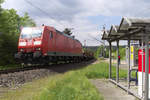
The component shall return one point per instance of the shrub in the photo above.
(71, 86)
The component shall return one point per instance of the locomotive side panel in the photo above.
(62, 44)
(45, 41)
(51, 41)
(79, 48)
(59, 44)
(74, 47)
(67, 45)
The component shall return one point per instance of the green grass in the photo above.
(26, 92)
(75, 85)
(101, 70)
(72, 85)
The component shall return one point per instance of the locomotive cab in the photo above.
(30, 42)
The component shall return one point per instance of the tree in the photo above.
(97, 53)
(10, 23)
(8, 36)
(67, 31)
(27, 21)
(1, 1)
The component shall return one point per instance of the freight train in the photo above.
(45, 44)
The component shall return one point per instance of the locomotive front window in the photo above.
(26, 33)
(36, 33)
(31, 32)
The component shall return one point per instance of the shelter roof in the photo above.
(129, 28)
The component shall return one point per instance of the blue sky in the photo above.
(86, 17)
(107, 21)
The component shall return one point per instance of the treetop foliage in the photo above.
(1, 1)
(10, 23)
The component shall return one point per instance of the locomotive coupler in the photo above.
(37, 54)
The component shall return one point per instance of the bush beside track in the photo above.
(71, 86)
(10, 66)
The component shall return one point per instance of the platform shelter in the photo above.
(131, 29)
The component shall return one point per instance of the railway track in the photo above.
(32, 67)
(16, 70)
(37, 66)
(28, 67)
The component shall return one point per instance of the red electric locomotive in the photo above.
(46, 44)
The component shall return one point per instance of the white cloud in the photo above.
(116, 7)
(75, 13)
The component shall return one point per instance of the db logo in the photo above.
(30, 42)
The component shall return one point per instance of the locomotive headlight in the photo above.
(37, 42)
(22, 43)
(22, 50)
